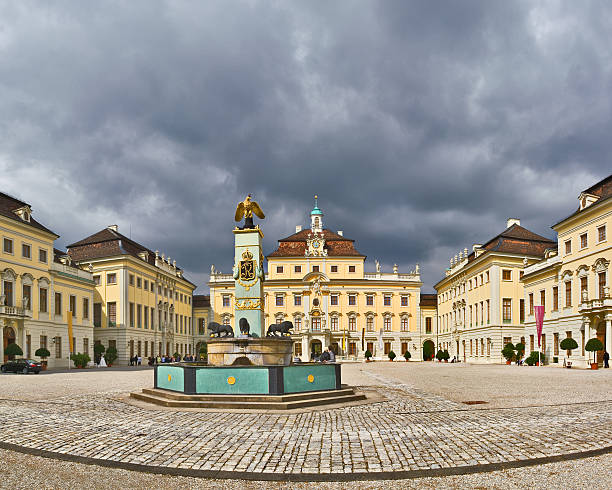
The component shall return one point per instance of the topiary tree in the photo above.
(391, 355)
(508, 352)
(407, 355)
(368, 354)
(111, 355)
(80, 360)
(13, 350)
(440, 355)
(568, 344)
(42, 353)
(520, 351)
(593, 345)
(446, 355)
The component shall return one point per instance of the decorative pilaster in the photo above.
(608, 345)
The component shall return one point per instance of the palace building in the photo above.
(142, 302)
(316, 279)
(41, 287)
(572, 282)
(481, 298)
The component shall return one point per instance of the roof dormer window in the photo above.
(24, 213)
(586, 200)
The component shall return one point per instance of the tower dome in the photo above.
(316, 217)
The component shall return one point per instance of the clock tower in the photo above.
(316, 218)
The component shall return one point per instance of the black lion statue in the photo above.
(216, 329)
(245, 328)
(280, 329)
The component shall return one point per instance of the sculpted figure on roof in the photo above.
(245, 209)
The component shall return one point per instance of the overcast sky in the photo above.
(422, 126)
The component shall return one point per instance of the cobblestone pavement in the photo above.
(411, 430)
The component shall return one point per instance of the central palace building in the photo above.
(316, 279)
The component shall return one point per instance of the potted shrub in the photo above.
(80, 360)
(593, 345)
(368, 356)
(407, 356)
(520, 351)
(391, 355)
(440, 355)
(13, 350)
(446, 355)
(111, 356)
(43, 354)
(535, 358)
(204, 352)
(568, 344)
(508, 352)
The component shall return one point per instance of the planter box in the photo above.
(594, 366)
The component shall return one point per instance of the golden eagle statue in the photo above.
(245, 209)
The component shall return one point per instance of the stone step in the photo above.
(253, 405)
(172, 395)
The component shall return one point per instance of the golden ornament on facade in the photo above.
(248, 304)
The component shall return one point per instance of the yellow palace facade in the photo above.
(40, 288)
(316, 279)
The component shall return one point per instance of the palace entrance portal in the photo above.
(8, 337)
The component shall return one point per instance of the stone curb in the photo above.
(308, 477)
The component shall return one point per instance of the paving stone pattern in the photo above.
(410, 430)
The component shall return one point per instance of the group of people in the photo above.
(326, 356)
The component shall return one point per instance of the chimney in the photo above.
(298, 228)
(340, 232)
(513, 221)
(113, 227)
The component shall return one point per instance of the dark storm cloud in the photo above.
(422, 126)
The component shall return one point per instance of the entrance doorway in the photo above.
(428, 350)
(316, 348)
(8, 338)
(335, 347)
(601, 335)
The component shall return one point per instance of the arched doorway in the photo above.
(601, 335)
(7, 338)
(316, 348)
(428, 350)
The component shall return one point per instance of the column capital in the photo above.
(608, 317)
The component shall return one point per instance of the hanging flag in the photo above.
(539, 318)
(70, 332)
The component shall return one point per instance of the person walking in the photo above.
(606, 359)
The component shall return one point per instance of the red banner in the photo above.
(539, 319)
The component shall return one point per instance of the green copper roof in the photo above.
(316, 210)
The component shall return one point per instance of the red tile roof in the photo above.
(201, 300)
(336, 245)
(602, 189)
(8, 205)
(428, 299)
(519, 240)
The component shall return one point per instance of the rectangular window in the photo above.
(601, 233)
(543, 298)
(568, 294)
(404, 324)
(279, 269)
(471, 345)
(297, 269)
(96, 280)
(131, 280)
(601, 277)
(97, 314)
(555, 291)
(297, 300)
(226, 301)
(111, 278)
(334, 323)
(146, 285)
(555, 344)
(58, 304)
(352, 299)
(370, 324)
(387, 324)
(85, 346)
(139, 316)
(351, 268)
(8, 246)
(369, 300)
(280, 300)
(470, 315)
(139, 282)
(298, 325)
(583, 240)
(315, 268)
(85, 308)
(507, 275)
(531, 303)
(487, 276)
(404, 300)
(583, 287)
(132, 315)
(543, 342)
(42, 300)
(333, 300)
(26, 251)
(522, 311)
(428, 324)
(531, 342)
(334, 268)
(568, 247)
(488, 312)
(42, 255)
(507, 310)
(27, 296)
(58, 347)
(352, 324)
(316, 324)
(72, 305)
(387, 300)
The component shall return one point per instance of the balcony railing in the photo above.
(13, 311)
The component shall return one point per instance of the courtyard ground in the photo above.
(423, 424)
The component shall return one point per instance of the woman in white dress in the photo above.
(102, 361)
